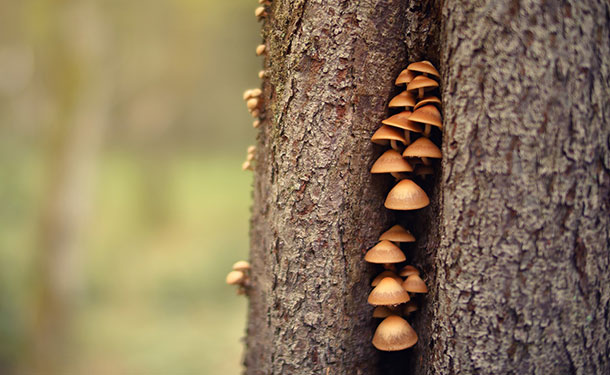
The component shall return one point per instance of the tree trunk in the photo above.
(519, 220)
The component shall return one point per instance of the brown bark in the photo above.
(521, 283)
(515, 245)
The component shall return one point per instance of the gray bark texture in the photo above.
(515, 244)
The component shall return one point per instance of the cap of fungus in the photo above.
(405, 76)
(415, 284)
(427, 100)
(388, 292)
(406, 195)
(394, 333)
(260, 12)
(247, 166)
(383, 275)
(260, 49)
(235, 277)
(408, 270)
(391, 161)
(397, 234)
(425, 67)
(385, 252)
(251, 149)
(427, 114)
(422, 148)
(387, 133)
(255, 113)
(410, 307)
(404, 99)
(256, 124)
(422, 82)
(261, 74)
(401, 120)
(252, 103)
(241, 265)
(382, 312)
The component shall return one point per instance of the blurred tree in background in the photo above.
(122, 132)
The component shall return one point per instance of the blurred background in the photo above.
(122, 200)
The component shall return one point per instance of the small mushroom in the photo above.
(394, 333)
(415, 284)
(260, 49)
(428, 100)
(404, 99)
(255, 113)
(256, 123)
(401, 120)
(391, 162)
(428, 115)
(261, 74)
(247, 166)
(251, 149)
(405, 76)
(235, 277)
(406, 195)
(397, 234)
(422, 148)
(387, 133)
(260, 12)
(383, 312)
(252, 103)
(421, 84)
(388, 292)
(424, 67)
(408, 270)
(385, 252)
(383, 275)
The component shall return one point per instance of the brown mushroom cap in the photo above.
(405, 76)
(422, 148)
(427, 100)
(397, 234)
(394, 333)
(415, 284)
(427, 114)
(424, 67)
(385, 252)
(391, 161)
(383, 275)
(388, 292)
(406, 195)
(421, 82)
(383, 312)
(235, 277)
(387, 133)
(241, 265)
(404, 99)
(260, 49)
(408, 270)
(401, 120)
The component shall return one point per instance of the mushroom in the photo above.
(429, 115)
(252, 103)
(391, 162)
(397, 234)
(424, 67)
(404, 99)
(384, 274)
(415, 284)
(235, 277)
(394, 333)
(388, 292)
(388, 133)
(401, 120)
(256, 123)
(261, 74)
(431, 99)
(260, 49)
(410, 307)
(405, 76)
(421, 83)
(406, 195)
(251, 149)
(260, 12)
(255, 113)
(408, 270)
(247, 166)
(385, 252)
(422, 148)
(383, 312)
(241, 265)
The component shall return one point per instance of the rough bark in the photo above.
(522, 283)
(331, 66)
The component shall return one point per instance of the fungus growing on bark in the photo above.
(388, 292)
(408, 270)
(428, 115)
(397, 234)
(421, 84)
(247, 166)
(383, 275)
(386, 134)
(404, 99)
(415, 284)
(383, 312)
(427, 100)
(394, 333)
(259, 12)
(401, 120)
(424, 67)
(391, 162)
(252, 103)
(260, 49)
(235, 277)
(405, 76)
(256, 123)
(261, 74)
(385, 252)
(422, 148)
(406, 195)
(241, 265)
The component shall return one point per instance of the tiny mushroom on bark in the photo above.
(383, 275)
(388, 292)
(408, 270)
(404, 99)
(405, 76)
(235, 277)
(427, 100)
(421, 84)
(415, 284)
(397, 234)
(261, 74)
(388, 133)
(401, 120)
(385, 252)
(260, 49)
(382, 312)
(394, 333)
(406, 195)
(424, 67)
(391, 162)
(428, 115)
(422, 148)
(260, 12)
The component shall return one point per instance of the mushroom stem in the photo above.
(398, 176)
(425, 160)
(427, 130)
(395, 145)
(408, 137)
(420, 93)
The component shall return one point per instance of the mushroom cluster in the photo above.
(395, 289)
(250, 158)
(240, 276)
